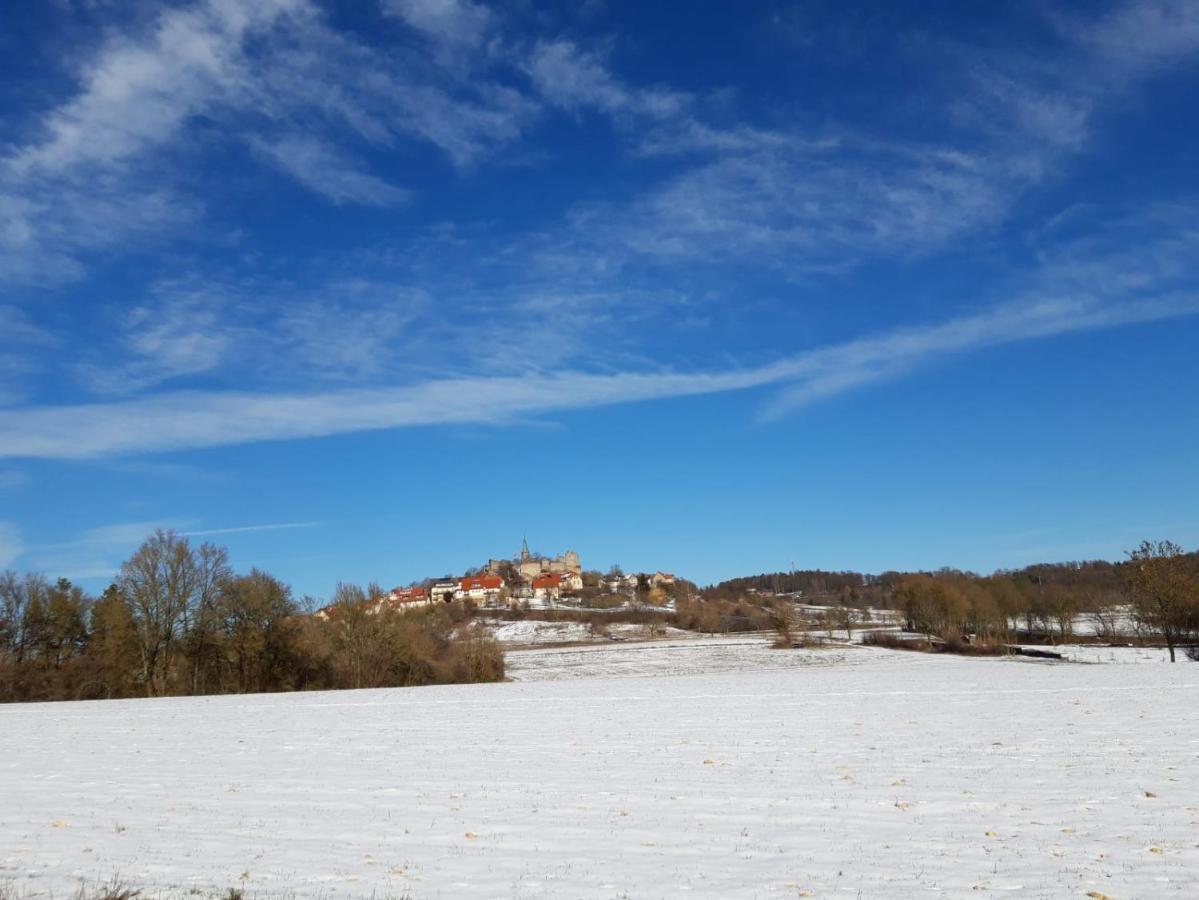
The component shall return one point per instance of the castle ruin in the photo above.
(529, 566)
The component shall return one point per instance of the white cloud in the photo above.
(850, 365)
(11, 545)
(336, 329)
(326, 171)
(139, 92)
(101, 175)
(452, 22)
(14, 479)
(1140, 36)
(352, 331)
(573, 78)
(18, 328)
(185, 420)
(177, 332)
(23, 351)
(829, 199)
(75, 188)
(94, 553)
(249, 529)
(47, 230)
(97, 552)
(102, 171)
(119, 534)
(814, 210)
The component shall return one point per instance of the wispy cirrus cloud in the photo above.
(14, 480)
(829, 196)
(23, 345)
(140, 91)
(11, 545)
(874, 359)
(96, 553)
(92, 553)
(323, 169)
(77, 186)
(740, 189)
(1101, 278)
(130, 534)
(577, 79)
(1138, 37)
(276, 77)
(168, 337)
(69, 190)
(188, 420)
(809, 210)
(249, 529)
(187, 330)
(455, 23)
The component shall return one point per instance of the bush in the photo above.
(716, 616)
(894, 641)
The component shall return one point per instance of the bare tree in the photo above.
(161, 582)
(201, 618)
(22, 598)
(18, 596)
(354, 628)
(256, 612)
(1163, 586)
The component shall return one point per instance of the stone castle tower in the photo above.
(529, 566)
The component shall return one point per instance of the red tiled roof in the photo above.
(406, 595)
(486, 582)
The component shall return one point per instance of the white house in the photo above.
(480, 588)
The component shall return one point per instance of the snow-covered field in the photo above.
(1093, 653)
(694, 656)
(532, 631)
(842, 772)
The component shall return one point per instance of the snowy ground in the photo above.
(694, 656)
(533, 631)
(1092, 653)
(843, 772)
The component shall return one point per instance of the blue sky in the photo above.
(373, 290)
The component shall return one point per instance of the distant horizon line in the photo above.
(1078, 563)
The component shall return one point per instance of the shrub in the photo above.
(893, 641)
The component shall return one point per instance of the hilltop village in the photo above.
(527, 580)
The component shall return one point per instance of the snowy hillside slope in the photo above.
(691, 656)
(899, 775)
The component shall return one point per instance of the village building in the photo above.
(529, 567)
(400, 599)
(547, 587)
(556, 584)
(480, 588)
(621, 584)
(629, 584)
(444, 591)
(524, 578)
(404, 598)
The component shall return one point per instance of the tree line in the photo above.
(178, 620)
(1152, 594)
